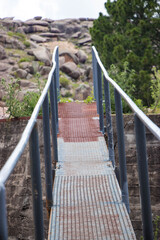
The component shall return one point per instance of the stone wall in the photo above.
(153, 152)
(18, 187)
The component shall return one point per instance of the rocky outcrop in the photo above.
(26, 48)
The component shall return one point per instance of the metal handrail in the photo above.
(30, 133)
(141, 121)
(147, 122)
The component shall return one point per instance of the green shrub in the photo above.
(24, 59)
(64, 82)
(27, 44)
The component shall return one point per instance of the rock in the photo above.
(27, 84)
(11, 42)
(76, 35)
(21, 73)
(45, 70)
(61, 25)
(38, 18)
(35, 28)
(3, 67)
(61, 61)
(69, 57)
(82, 92)
(36, 22)
(21, 30)
(52, 35)
(42, 54)
(84, 40)
(27, 66)
(33, 44)
(3, 54)
(81, 56)
(55, 30)
(71, 69)
(48, 20)
(37, 38)
(89, 74)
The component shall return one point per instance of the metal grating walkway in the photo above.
(87, 198)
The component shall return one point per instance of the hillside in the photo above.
(26, 50)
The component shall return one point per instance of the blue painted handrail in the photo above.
(30, 134)
(141, 121)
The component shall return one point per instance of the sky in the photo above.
(54, 9)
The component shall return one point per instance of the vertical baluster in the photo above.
(47, 153)
(109, 122)
(94, 77)
(121, 149)
(53, 120)
(100, 99)
(3, 214)
(56, 98)
(143, 179)
(36, 184)
(57, 71)
(96, 84)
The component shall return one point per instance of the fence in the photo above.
(30, 134)
(141, 121)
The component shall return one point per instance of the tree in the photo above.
(130, 32)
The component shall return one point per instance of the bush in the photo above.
(64, 82)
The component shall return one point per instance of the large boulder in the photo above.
(71, 69)
(36, 22)
(35, 28)
(82, 92)
(42, 54)
(69, 57)
(81, 56)
(3, 54)
(4, 67)
(21, 73)
(37, 38)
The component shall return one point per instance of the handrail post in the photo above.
(53, 121)
(36, 184)
(56, 98)
(100, 98)
(3, 214)
(47, 154)
(109, 122)
(94, 77)
(121, 149)
(143, 179)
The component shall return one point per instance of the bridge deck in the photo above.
(87, 198)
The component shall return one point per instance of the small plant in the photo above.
(90, 98)
(64, 100)
(64, 82)
(155, 88)
(13, 104)
(25, 107)
(156, 227)
(27, 44)
(21, 36)
(24, 59)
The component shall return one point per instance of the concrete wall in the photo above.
(18, 187)
(153, 151)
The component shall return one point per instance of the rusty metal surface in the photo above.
(87, 197)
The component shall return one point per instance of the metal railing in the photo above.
(30, 134)
(141, 121)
